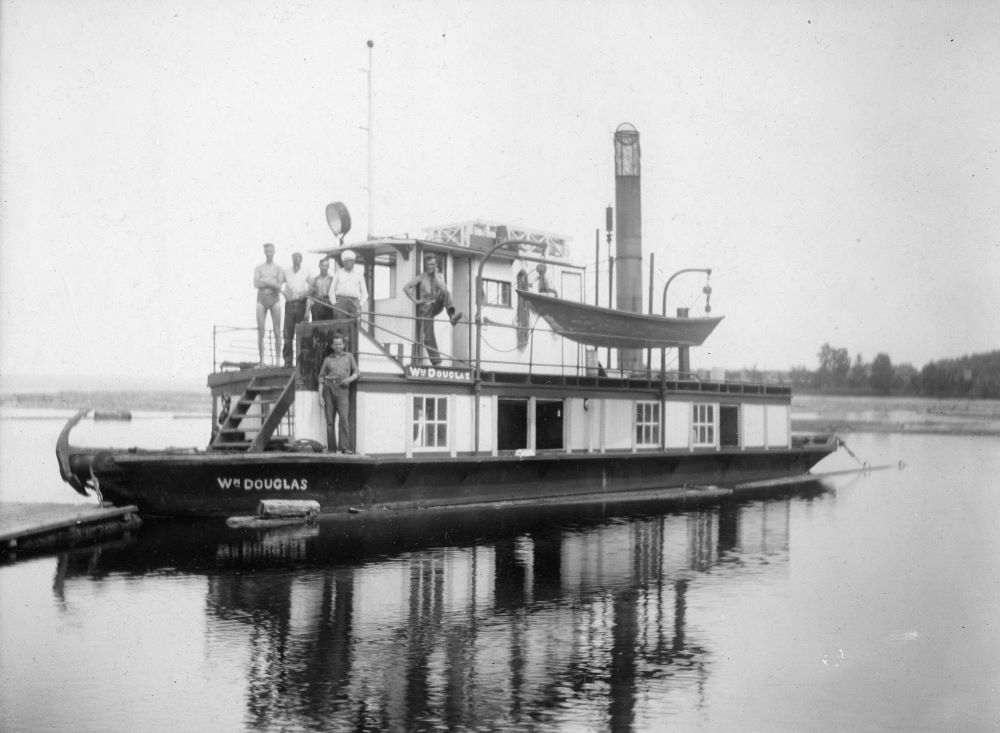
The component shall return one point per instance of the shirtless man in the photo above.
(542, 282)
(431, 296)
(268, 279)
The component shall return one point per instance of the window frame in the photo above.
(419, 425)
(704, 425)
(501, 288)
(384, 276)
(648, 423)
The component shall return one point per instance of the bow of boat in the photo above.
(75, 463)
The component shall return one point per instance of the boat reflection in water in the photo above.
(508, 624)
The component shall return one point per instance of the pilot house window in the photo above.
(384, 277)
(497, 292)
(430, 422)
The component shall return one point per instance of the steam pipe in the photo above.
(663, 351)
(707, 271)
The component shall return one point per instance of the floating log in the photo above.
(277, 513)
(287, 508)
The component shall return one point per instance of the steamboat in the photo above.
(539, 399)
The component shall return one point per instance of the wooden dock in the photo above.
(31, 528)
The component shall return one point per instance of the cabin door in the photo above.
(729, 421)
(462, 286)
(512, 424)
(514, 428)
(549, 424)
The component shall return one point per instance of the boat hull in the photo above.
(207, 484)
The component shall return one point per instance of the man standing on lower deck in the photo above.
(268, 278)
(338, 371)
(297, 281)
(431, 296)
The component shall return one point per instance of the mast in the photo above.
(370, 138)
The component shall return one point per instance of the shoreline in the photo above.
(846, 426)
(810, 413)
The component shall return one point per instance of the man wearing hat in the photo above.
(349, 290)
(297, 282)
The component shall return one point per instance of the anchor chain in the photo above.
(95, 485)
(865, 465)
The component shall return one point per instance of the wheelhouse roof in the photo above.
(406, 245)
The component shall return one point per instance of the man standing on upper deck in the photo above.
(319, 291)
(349, 290)
(297, 281)
(338, 371)
(541, 281)
(268, 279)
(431, 296)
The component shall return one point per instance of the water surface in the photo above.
(869, 604)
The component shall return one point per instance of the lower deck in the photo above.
(424, 418)
(400, 407)
(223, 484)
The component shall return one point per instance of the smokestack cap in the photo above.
(626, 134)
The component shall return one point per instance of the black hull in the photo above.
(212, 484)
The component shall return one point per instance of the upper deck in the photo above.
(502, 334)
(522, 363)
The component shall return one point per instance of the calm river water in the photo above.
(871, 605)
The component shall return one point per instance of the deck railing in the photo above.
(235, 347)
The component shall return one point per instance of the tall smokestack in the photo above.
(628, 210)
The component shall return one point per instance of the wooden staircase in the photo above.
(257, 414)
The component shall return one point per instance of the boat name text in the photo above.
(446, 375)
(262, 484)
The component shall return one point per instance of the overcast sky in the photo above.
(836, 164)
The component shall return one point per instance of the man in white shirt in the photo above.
(297, 281)
(349, 291)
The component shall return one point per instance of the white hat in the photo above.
(348, 255)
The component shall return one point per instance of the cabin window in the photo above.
(572, 286)
(496, 292)
(430, 422)
(647, 424)
(384, 277)
(703, 425)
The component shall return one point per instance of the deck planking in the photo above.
(34, 526)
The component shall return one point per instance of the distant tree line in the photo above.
(972, 376)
